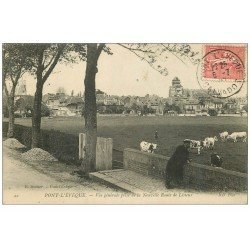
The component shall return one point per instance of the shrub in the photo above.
(212, 112)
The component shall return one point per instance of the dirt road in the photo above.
(25, 183)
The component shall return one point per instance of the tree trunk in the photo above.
(36, 117)
(90, 114)
(11, 116)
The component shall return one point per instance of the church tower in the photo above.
(176, 90)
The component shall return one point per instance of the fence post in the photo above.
(81, 145)
(104, 152)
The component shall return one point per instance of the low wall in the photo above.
(145, 163)
(195, 175)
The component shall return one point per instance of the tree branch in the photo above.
(142, 58)
(173, 53)
(52, 66)
(18, 76)
(137, 49)
(11, 76)
(39, 71)
(52, 58)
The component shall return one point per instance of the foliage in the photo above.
(156, 54)
(171, 107)
(45, 110)
(202, 100)
(136, 107)
(25, 105)
(98, 91)
(15, 62)
(183, 52)
(61, 90)
(110, 109)
(101, 109)
(212, 112)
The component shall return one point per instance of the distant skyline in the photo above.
(123, 73)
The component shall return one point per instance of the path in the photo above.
(24, 184)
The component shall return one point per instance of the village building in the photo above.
(180, 101)
(198, 101)
(75, 105)
(193, 107)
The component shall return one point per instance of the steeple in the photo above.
(176, 81)
(176, 90)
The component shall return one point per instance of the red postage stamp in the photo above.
(224, 62)
(222, 71)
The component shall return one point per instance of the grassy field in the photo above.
(128, 132)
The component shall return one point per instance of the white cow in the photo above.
(210, 141)
(235, 135)
(205, 144)
(223, 135)
(196, 145)
(148, 147)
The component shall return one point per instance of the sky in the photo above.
(123, 73)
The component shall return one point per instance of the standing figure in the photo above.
(156, 134)
(175, 165)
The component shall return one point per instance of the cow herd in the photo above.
(207, 143)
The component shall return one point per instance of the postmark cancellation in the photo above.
(222, 69)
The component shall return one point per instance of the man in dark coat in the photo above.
(175, 165)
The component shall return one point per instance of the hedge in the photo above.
(63, 146)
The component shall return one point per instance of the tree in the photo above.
(171, 107)
(135, 107)
(146, 52)
(202, 100)
(15, 64)
(176, 108)
(212, 112)
(101, 109)
(5, 106)
(119, 109)
(167, 108)
(25, 106)
(44, 58)
(61, 90)
(90, 114)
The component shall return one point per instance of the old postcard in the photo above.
(124, 123)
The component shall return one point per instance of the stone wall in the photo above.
(195, 175)
(145, 163)
(203, 176)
